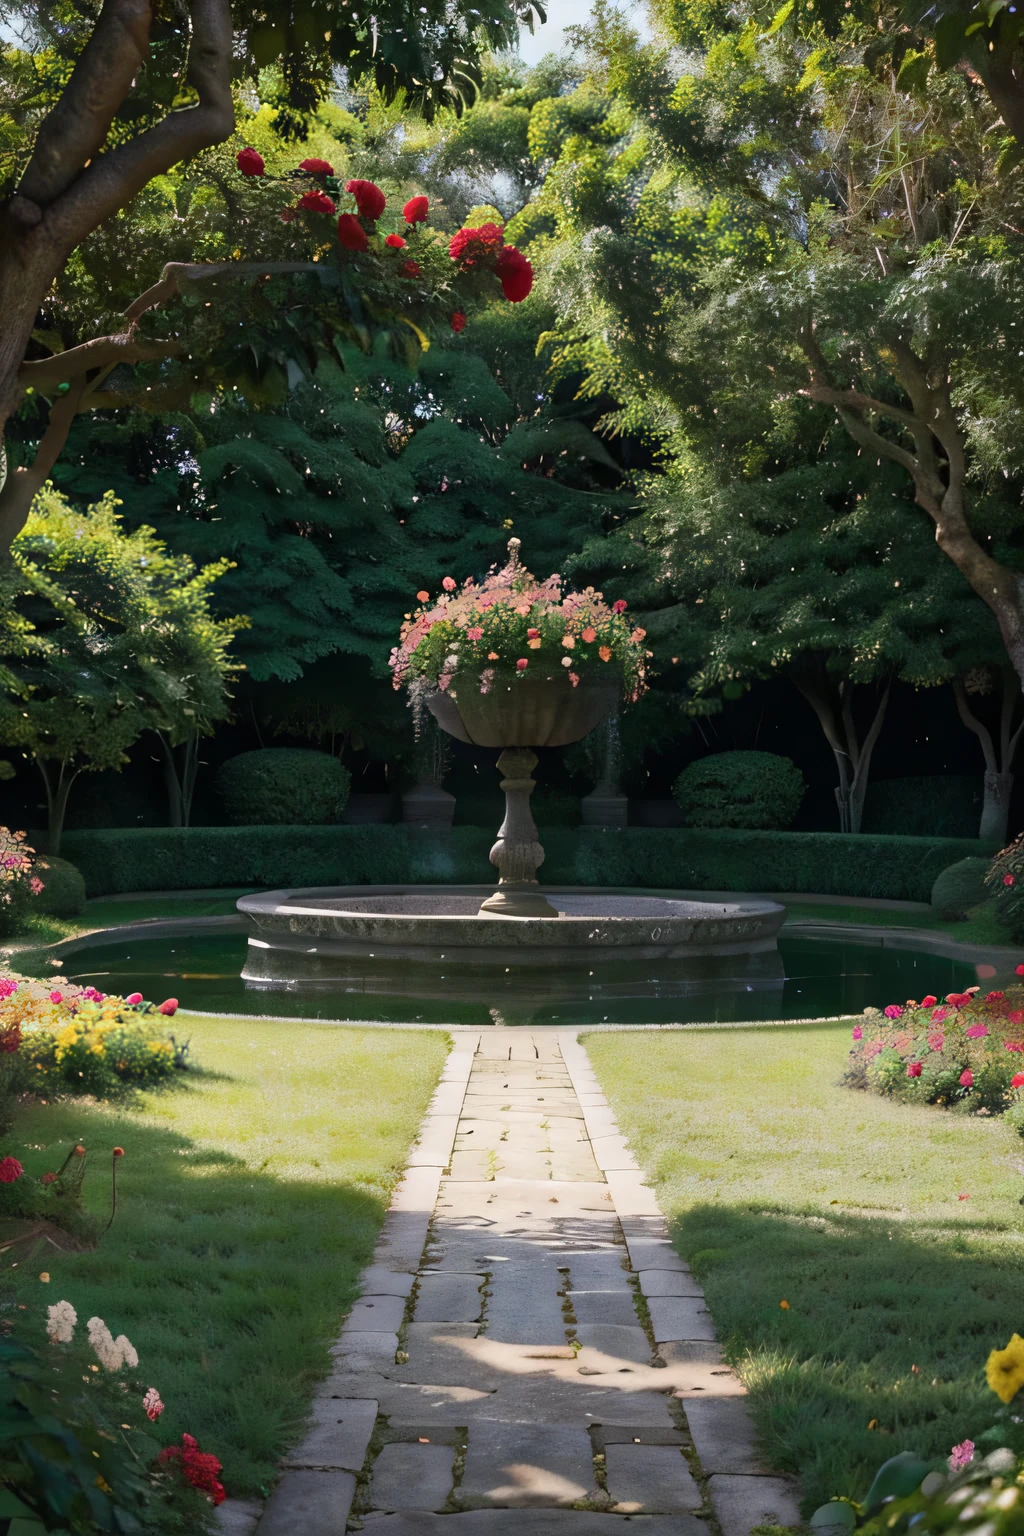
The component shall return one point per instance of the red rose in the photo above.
(369, 198)
(316, 167)
(470, 246)
(1017, 1080)
(411, 268)
(316, 202)
(10, 1170)
(250, 162)
(351, 234)
(395, 242)
(170, 1007)
(515, 274)
(457, 322)
(620, 607)
(967, 1078)
(416, 210)
(1008, 880)
(914, 1069)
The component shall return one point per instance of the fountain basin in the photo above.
(316, 935)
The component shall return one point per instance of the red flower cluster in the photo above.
(369, 198)
(351, 234)
(199, 1467)
(10, 1170)
(470, 247)
(514, 273)
(316, 167)
(10, 1039)
(316, 202)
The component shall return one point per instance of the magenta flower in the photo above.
(522, 664)
(914, 1069)
(961, 1456)
(476, 633)
(939, 1015)
(977, 1031)
(894, 1011)
(10, 1170)
(858, 1033)
(134, 997)
(967, 1078)
(936, 1040)
(56, 997)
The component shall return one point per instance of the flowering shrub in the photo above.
(476, 254)
(1005, 881)
(512, 626)
(964, 1052)
(18, 882)
(76, 1039)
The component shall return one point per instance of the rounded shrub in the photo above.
(63, 892)
(959, 888)
(286, 786)
(758, 791)
(1005, 881)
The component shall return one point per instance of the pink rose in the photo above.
(914, 1069)
(967, 1078)
(475, 633)
(522, 664)
(449, 583)
(134, 997)
(977, 1031)
(894, 1011)
(169, 1007)
(858, 1033)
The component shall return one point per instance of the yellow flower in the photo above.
(1004, 1369)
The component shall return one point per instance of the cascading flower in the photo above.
(370, 200)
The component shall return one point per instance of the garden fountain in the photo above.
(513, 665)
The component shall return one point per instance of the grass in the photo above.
(781, 1186)
(108, 912)
(981, 926)
(248, 1200)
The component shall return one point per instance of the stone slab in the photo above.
(629, 1434)
(614, 1340)
(418, 1191)
(723, 1435)
(379, 1280)
(680, 1317)
(683, 1352)
(612, 1154)
(376, 1314)
(743, 1502)
(669, 1282)
(411, 1477)
(315, 1503)
(601, 1269)
(521, 1465)
(364, 1350)
(604, 1307)
(524, 1306)
(236, 1517)
(534, 1522)
(449, 1298)
(338, 1435)
(650, 1480)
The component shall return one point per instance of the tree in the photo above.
(104, 635)
(102, 77)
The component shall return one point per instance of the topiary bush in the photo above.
(284, 786)
(761, 791)
(959, 888)
(63, 892)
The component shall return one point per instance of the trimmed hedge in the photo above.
(192, 858)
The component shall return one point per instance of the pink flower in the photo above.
(443, 681)
(475, 633)
(939, 1014)
(894, 1011)
(914, 1069)
(250, 162)
(620, 606)
(936, 1040)
(1008, 880)
(589, 635)
(961, 1455)
(994, 997)
(449, 583)
(977, 1031)
(574, 679)
(929, 1001)
(134, 997)
(152, 1404)
(10, 1170)
(958, 999)
(1017, 1080)
(56, 997)
(872, 1048)
(967, 1078)
(522, 664)
(169, 1007)
(7, 987)
(35, 885)
(1020, 970)
(1014, 1045)
(858, 1033)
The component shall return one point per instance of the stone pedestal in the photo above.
(517, 854)
(426, 805)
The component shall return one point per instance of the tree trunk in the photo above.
(998, 755)
(862, 760)
(175, 799)
(180, 767)
(58, 788)
(995, 808)
(853, 759)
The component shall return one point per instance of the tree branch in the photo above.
(176, 276)
(26, 480)
(101, 352)
(972, 723)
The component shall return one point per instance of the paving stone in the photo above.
(365, 1351)
(401, 1240)
(527, 1464)
(338, 1434)
(723, 1435)
(437, 1353)
(535, 1522)
(417, 1192)
(627, 1434)
(743, 1502)
(604, 1307)
(669, 1282)
(650, 1480)
(437, 1134)
(376, 1314)
(411, 1477)
(237, 1517)
(682, 1352)
(631, 1195)
(612, 1153)
(680, 1317)
(315, 1503)
(615, 1340)
(378, 1280)
(524, 1306)
(601, 1270)
(449, 1298)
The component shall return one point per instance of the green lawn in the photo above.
(249, 1198)
(108, 912)
(979, 927)
(780, 1185)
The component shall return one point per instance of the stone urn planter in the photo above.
(518, 716)
(516, 663)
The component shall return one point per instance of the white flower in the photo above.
(60, 1322)
(451, 662)
(110, 1352)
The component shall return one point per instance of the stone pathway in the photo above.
(529, 1354)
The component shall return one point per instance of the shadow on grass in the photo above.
(231, 1283)
(870, 1298)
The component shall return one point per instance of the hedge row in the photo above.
(191, 858)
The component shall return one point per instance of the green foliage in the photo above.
(284, 786)
(63, 892)
(1005, 883)
(977, 1499)
(946, 804)
(760, 790)
(959, 888)
(17, 892)
(191, 858)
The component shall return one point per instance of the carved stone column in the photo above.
(517, 854)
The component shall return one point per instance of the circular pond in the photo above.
(804, 978)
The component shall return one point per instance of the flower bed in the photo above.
(965, 1052)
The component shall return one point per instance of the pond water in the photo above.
(807, 978)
